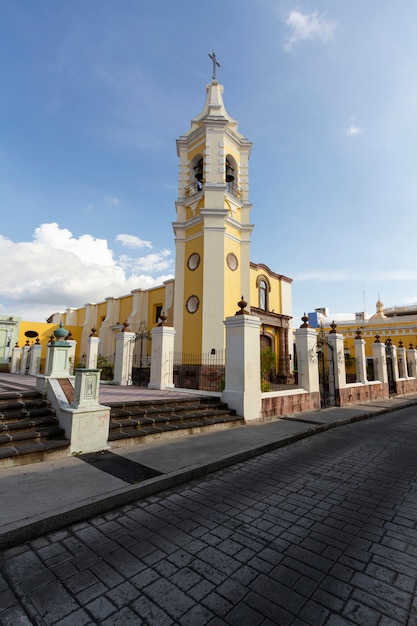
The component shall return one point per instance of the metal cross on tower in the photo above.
(215, 64)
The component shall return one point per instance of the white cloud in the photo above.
(56, 270)
(86, 248)
(353, 130)
(150, 263)
(111, 201)
(131, 241)
(310, 27)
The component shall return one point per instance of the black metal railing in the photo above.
(199, 371)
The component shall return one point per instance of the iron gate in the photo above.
(327, 384)
(392, 385)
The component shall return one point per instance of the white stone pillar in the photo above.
(35, 359)
(337, 343)
(380, 362)
(85, 420)
(307, 361)
(86, 387)
(24, 359)
(162, 365)
(16, 356)
(124, 358)
(243, 366)
(412, 362)
(402, 362)
(395, 362)
(92, 351)
(71, 355)
(58, 362)
(360, 358)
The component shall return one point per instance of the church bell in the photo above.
(229, 173)
(198, 170)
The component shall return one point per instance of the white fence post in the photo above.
(243, 366)
(162, 365)
(307, 360)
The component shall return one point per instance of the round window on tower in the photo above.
(192, 304)
(193, 261)
(232, 261)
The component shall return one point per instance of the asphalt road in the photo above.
(322, 532)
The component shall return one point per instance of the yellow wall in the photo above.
(232, 280)
(45, 331)
(125, 308)
(101, 313)
(193, 285)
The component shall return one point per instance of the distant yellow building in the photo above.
(399, 324)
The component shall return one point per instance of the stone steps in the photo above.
(132, 422)
(29, 430)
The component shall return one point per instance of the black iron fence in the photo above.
(199, 371)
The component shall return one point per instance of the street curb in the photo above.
(51, 523)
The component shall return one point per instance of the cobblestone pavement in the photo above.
(323, 532)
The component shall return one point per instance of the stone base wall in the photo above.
(406, 386)
(358, 393)
(289, 404)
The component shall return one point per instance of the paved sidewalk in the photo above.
(47, 496)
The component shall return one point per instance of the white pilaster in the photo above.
(16, 356)
(412, 362)
(337, 343)
(124, 358)
(395, 362)
(360, 358)
(71, 355)
(402, 362)
(380, 362)
(161, 376)
(85, 420)
(24, 359)
(92, 352)
(58, 362)
(307, 360)
(35, 359)
(243, 369)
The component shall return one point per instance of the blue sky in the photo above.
(94, 94)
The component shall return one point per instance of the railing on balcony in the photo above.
(195, 187)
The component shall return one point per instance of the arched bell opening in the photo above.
(197, 173)
(230, 173)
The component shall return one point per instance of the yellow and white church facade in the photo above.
(213, 271)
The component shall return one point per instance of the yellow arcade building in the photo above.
(212, 255)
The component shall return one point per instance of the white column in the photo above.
(16, 356)
(380, 362)
(86, 387)
(24, 359)
(58, 362)
(85, 420)
(71, 355)
(360, 357)
(395, 362)
(92, 352)
(337, 343)
(162, 366)
(124, 358)
(412, 362)
(35, 359)
(307, 361)
(243, 366)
